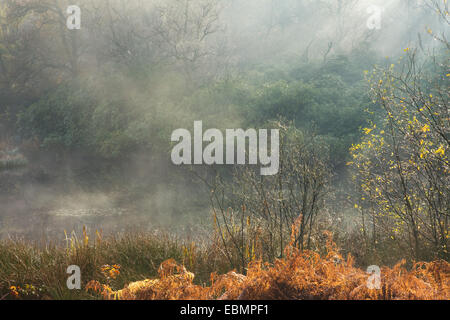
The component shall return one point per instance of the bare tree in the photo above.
(255, 214)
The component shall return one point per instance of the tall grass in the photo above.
(114, 268)
(43, 267)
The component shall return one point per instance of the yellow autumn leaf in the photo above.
(426, 128)
(440, 151)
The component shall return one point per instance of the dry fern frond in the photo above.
(301, 275)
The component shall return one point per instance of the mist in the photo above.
(86, 115)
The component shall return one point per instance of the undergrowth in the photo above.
(113, 268)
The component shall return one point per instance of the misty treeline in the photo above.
(363, 116)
